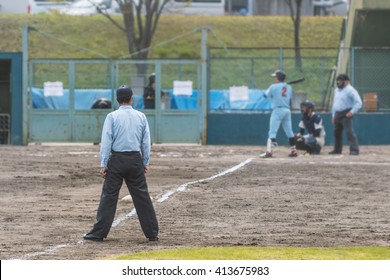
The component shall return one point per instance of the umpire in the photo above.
(346, 103)
(124, 154)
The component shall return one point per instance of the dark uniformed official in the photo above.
(346, 103)
(124, 154)
(150, 95)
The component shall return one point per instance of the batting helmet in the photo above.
(280, 75)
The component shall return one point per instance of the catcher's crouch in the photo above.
(314, 140)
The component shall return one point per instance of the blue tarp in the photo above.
(84, 98)
(219, 100)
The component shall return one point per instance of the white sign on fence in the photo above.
(53, 89)
(182, 87)
(239, 93)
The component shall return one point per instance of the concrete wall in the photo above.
(252, 129)
(366, 26)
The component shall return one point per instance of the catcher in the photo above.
(312, 123)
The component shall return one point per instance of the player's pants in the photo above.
(310, 144)
(342, 122)
(127, 166)
(280, 116)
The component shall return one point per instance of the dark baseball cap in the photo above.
(124, 91)
(342, 77)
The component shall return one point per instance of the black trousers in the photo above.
(312, 148)
(126, 166)
(342, 122)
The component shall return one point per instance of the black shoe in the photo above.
(92, 238)
(334, 153)
(354, 153)
(153, 239)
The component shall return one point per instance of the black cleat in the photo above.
(90, 237)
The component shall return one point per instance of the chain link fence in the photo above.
(370, 74)
(368, 70)
(229, 67)
(5, 129)
(253, 68)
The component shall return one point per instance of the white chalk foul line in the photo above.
(120, 219)
(183, 188)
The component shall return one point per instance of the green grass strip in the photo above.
(264, 253)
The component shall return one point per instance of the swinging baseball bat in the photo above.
(296, 81)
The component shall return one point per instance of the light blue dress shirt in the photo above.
(346, 98)
(125, 130)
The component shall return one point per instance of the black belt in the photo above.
(342, 114)
(125, 153)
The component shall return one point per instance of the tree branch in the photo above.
(140, 19)
(291, 8)
(108, 16)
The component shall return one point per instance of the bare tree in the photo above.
(140, 20)
(296, 19)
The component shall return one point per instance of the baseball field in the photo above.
(204, 196)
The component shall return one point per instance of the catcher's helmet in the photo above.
(308, 104)
(280, 75)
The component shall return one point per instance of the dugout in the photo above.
(11, 98)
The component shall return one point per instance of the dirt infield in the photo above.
(50, 193)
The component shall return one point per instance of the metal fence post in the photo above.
(353, 66)
(204, 102)
(252, 74)
(281, 58)
(158, 102)
(114, 80)
(25, 86)
(71, 109)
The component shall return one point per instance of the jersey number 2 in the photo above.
(284, 89)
